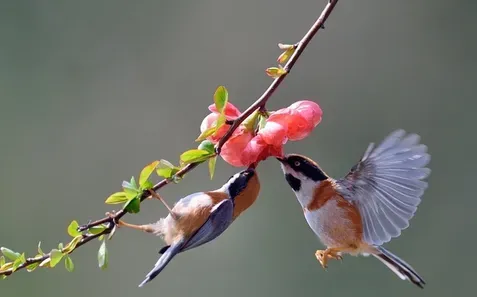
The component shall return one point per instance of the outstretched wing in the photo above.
(219, 220)
(387, 185)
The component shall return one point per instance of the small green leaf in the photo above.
(39, 249)
(45, 263)
(165, 169)
(72, 244)
(147, 185)
(69, 264)
(32, 267)
(212, 162)
(207, 145)
(116, 198)
(56, 257)
(133, 183)
(101, 238)
(18, 261)
(9, 253)
(60, 246)
(96, 229)
(288, 52)
(146, 173)
(103, 256)
(130, 188)
(2, 261)
(221, 97)
(195, 155)
(275, 72)
(261, 122)
(208, 132)
(73, 229)
(3, 276)
(113, 231)
(133, 205)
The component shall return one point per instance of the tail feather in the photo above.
(165, 258)
(399, 267)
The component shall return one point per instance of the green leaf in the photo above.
(195, 155)
(11, 255)
(18, 261)
(60, 246)
(165, 169)
(147, 185)
(101, 238)
(131, 194)
(96, 229)
(275, 72)
(261, 122)
(73, 229)
(286, 54)
(32, 267)
(133, 183)
(146, 173)
(207, 145)
(69, 264)
(4, 276)
(208, 132)
(103, 256)
(45, 263)
(55, 256)
(39, 249)
(2, 261)
(117, 198)
(133, 205)
(113, 231)
(221, 97)
(72, 244)
(212, 162)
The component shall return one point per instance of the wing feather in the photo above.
(387, 185)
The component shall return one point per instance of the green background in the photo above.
(91, 91)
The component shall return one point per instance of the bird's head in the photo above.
(301, 172)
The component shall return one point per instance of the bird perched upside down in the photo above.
(370, 205)
(201, 217)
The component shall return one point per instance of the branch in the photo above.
(107, 225)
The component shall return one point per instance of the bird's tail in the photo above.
(398, 266)
(165, 258)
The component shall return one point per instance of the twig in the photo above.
(112, 220)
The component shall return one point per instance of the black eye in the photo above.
(297, 163)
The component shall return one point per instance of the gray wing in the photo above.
(387, 185)
(219, 220)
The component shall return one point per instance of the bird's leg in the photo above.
(120, 223)
(155, 195)
(329, 253)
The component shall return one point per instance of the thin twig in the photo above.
(112, 220)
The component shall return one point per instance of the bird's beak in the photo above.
(281, 160)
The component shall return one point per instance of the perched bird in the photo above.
(201, 217)
(369, 206)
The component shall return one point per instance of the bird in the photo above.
(200, 217)
(370, 205)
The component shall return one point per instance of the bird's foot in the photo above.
(324, 256)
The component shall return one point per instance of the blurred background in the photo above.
(91, 91)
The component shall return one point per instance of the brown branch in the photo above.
(300, 47)
(112, 220)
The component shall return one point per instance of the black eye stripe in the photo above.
(307, 168)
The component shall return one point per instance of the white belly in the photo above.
(330, 224)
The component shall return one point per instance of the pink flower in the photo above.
(233, 149)
(231, 113)
(299, 119)
(244, 148)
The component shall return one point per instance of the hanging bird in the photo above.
(200, 217)
(369, 206)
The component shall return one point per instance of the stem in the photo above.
(111, 221)
(260, 103)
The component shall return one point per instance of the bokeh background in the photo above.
(91, 91)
